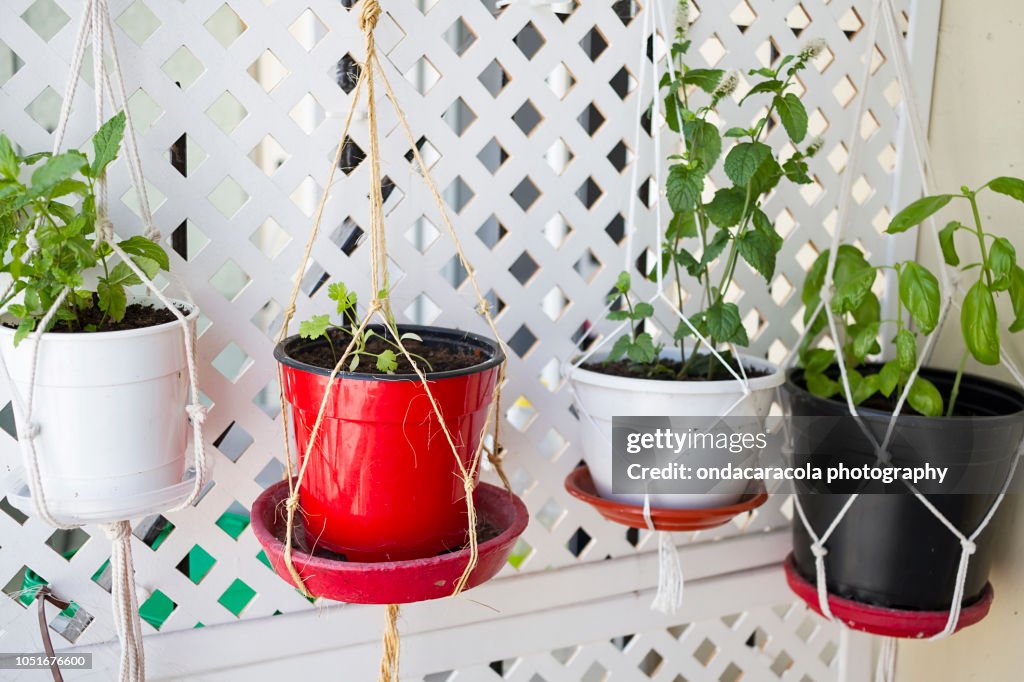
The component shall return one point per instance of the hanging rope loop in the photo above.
(368, 16)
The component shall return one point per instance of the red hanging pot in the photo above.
(382, 482)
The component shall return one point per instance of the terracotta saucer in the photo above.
(884, 621)
(581, 486)
(392, 582)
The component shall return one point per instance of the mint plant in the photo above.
(857, 310)
(320, 326)
(49, 202)
(707, 239)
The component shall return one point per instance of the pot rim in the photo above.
(424, 331)
(917, 419)
(774, 379)
(191, 311)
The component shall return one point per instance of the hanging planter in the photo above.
(97, 465)
(381, 483)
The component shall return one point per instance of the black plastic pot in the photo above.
(889, 550)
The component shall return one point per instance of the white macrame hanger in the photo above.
(97, 26)
(884, 12)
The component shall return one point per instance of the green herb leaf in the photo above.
(703, 142)
(948, 243)
(705, 79)
(906, 350)
(772, 85)
(25, 327)
(684, 187)
(642, 310)
(315, 327)
(865, 388)
(917, 212)
(122, 275)
(736, 132)
(643, 349)
(715, 247)
(979, 323)
(925, 398)
(1017, 298)
(797, 170)
(56, 170)
(623, 282)
(387, 361)
(106, 143)
(147, 248)
(724, 323)
(112, 300)
(744, 159)
(617, 315)
(889, 377)
(869, 310)
(619, 348)
(793, 115)
(919, 292)
(1002, 259)
(865, 339)
(1011, 187)
(759, 249)
(8, 159)
(682, 225)
(817, 360)
(820, 385)
(726, 208)
(851, 293)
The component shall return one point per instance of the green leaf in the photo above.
(147, 248)
(865, 388)
(703, 142)
(705, 79)
(1017, 298)
(865, 339)
(797, 170)
(684, 187)
(869, 310)
(772, 85)
(106, 143)
(122, 275)
(724, 323)
(112, 300)
(25, 327)
(643, 349)
(618, 315)
(1011, 187)
(56, 170)
(766, 177)
(906, 350)
(736, 132)
(682, 225)
(979, 323)
(715, 247)
(919, 292)
(820, 385)
(642, 310)
(315, 327)
(851, 293)
(948, 244)
(744, 159)
(925, 398)
(619, 348)
(387, 361)
(758, 249)
(889, 377)
(817, 360)
(793, 115)
(726, 208)
(8, 159)
(623, 282)
(1002, 259)
(917, 212)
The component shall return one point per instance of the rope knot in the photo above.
(818, 551)
(118, 532)
(826, 295)
(29, 430)
(969, 546)
(152, 233)
(292, 503)
(32, 242)
(483, 307)
(104, 229)
(368, 15)
(376, 303)
(197, 413)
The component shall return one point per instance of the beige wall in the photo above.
(977, 133)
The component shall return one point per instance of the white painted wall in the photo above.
(977, 133)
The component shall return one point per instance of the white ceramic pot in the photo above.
(110, 407)
(600, 397)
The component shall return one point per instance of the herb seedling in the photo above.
(321, 326)
(858, 315)
(56, 207)
(731, 226)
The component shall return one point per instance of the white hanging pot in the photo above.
(110, 407)
(599, 397)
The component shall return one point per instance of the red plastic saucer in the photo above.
(884, 621)
(392, 582)
(580, 485)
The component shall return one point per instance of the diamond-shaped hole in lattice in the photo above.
(593, 43)
(23, 586)
(138, 22)
(616, 228)
(850, 23)
(422, 310)
(555, 303)
(781, 664)
(153, 531)
(10, 63)
(595, 673)
(183, 67)
(196, 565)
(493, 156)
(234, 520)
(306, 195)
(524, 268)
(268, 400)
(270, 238)
(650, 664)
(144, 109)
(705, 651)
(743, 16)
(491, 232)
(620, 156)
(626, 10)
(233, 441)
(270, 474)
(67, 542)
(268, 318)
(459, 36)
(550, 514)
(44, 109)
(589, 193)
(732, 673)
(560, 80)
(591, 119)
(713, 50)
(557, 230)
(423, 234)
(16, 514)
(237, 597)
(348, 236)
(230, 280)
(578, 543)
(559, 155)
(225, 25)
(232, 362)
(458, 194)
(228, 197)
(308, 30)
(227, 112)
(268, 155)
(521, 413)
(157, 609)
(308, 113)
(454, 272)
(522, 341)
(623, 83)
(844, 91)
(529, 40)
(71, 622)
(46, 18)
(552, 445)
(268, 70)
(526, 194)
(459, 116)
(550, 376)
(521, 552)
(587, 266)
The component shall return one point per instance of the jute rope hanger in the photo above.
(883, 12)
(97, 27)
(380, 308)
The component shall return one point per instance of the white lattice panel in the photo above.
(502, 101)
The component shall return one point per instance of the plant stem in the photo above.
(956, 384)
(972, 197)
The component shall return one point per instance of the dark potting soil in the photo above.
(136, 316)
(440, 358)
(485, 531)
(668, 370)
